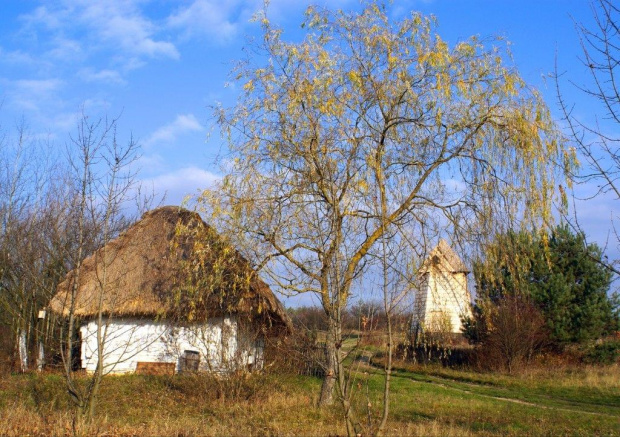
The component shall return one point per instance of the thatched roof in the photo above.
(153, 270)
(443, 255)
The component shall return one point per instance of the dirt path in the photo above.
(499, 398)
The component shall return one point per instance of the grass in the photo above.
(497, 408)
(426, 400)
(569, 390)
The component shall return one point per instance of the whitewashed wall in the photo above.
(222, 346)
(442, 300)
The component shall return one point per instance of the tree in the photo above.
(103, 181)
(596, 140)
(572, 293)
(367, 112)
(50, 219)
(30, 192)
(559, 273)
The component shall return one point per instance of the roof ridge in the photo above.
(451, 258)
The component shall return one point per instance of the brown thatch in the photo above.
(443, 254)
(153, 270)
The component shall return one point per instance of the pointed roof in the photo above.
(443, 254)
(146, 275)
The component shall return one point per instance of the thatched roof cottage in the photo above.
(173, 296)
(442, 297)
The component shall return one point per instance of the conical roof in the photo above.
(446, 257)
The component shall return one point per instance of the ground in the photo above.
(426, 400)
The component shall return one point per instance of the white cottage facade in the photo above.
(150, 320)
(442, 297)
(218, 346)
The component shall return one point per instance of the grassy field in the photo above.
(426, 400)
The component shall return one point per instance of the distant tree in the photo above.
(32, 202)
(309, 318)
(558, 273)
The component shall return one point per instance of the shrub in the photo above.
(514, 333)
(607, 352)
(297, 354)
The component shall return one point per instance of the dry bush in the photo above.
(376, 337)
(516, 334)
(297, 354)
(458, 355)
(439, 346)
(235, 387)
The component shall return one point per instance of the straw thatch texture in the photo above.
(155, 269)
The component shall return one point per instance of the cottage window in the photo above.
(190, 361)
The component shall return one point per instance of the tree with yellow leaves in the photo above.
(365, 112)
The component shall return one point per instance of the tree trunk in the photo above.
(388, 376)
(40, 340)
(329, 381)
(41, 356)
(22, 348)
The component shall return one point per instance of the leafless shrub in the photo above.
(297, 354)
(516, 333)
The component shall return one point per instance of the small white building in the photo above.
(442, 297)
(151, 346)
(172, 297)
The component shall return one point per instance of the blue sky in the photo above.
(163, 63)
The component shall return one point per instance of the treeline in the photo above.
(55, 208)
(360, 316)
(538, 293)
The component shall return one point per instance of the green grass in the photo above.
(499, 409)
(425, 400)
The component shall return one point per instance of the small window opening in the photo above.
(190, 361)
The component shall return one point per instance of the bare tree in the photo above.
(596, 140)
(27, 179)
(104, 182)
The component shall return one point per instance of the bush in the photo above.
(450, 356)
(297, 354)
(607, 352)
(511, 333)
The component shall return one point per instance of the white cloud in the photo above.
(105, 76)
(170, 132)
(30, 94)
(40, 87)
(42, 15)
(16, 57)
(117, 25)
(177, 185)
(211, 18)
(66, 49)
(151, 164)
(126, 27)
(131, 63)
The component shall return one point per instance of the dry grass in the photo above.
(429, 402)
(601, 377)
